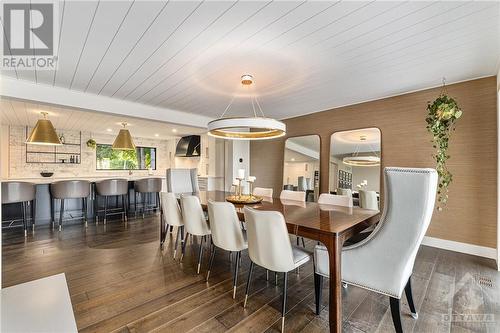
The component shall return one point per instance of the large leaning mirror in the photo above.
(355, 158)
(301, 169)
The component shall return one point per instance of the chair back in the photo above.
(268, 241)
(17, 192)
(332, 199)
(389, 251)
(225, 226)
(148, 185)
(368, 200)
(293, 195)
(171, 210)
(194, 219)
(345, 191)
(112, 187)
(263, 192)
(70, 189)
(182, 181)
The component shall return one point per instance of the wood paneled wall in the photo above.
(471, 214)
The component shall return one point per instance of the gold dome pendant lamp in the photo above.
(123, 140)
(44, 133)
(246, 128)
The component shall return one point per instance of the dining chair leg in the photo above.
(25, 221)
(61, 214)
(33, 214)
(176, 241)
(105, 208)
(396, 314)
(267, 275)
(212, 256)
(135, 204)
(85, 217)
(236, 266)
(144, 195)
(125, 206)
(248, 283)
(276, 278)
(52, 213)
(200, 255)
(283, 305)
(184, 246)
(303, 242)
(409, 297)
(96, 209)
(318, 291)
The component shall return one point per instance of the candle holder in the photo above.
(239, 187)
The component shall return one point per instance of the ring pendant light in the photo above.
(258, 127)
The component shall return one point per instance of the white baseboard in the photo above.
(481, 251)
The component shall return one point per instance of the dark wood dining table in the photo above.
(328, 224)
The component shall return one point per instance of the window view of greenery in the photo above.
(108, 158)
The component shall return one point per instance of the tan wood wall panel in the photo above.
(470, 216)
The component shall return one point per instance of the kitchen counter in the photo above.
(48, 180)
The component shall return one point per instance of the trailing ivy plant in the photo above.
(442, 116)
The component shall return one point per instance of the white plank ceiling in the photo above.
(305, 56)
(24, 113)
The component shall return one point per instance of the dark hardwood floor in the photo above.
(120, 280)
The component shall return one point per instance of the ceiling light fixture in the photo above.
(362, 160)
(44, 133)
(123, 140)
(246, 128)
(174, 130)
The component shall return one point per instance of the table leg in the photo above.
(334, 246)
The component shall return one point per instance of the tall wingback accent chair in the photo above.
(182, 181)
(383, 262)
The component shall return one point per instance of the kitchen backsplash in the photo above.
(18, 168)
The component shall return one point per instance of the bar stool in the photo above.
(146, 187)
(69, 189)
(111, 188)
(21, 192)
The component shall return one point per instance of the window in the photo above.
(142, 158)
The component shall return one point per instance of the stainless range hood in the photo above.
(188, 146)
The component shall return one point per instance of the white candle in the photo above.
(251, 179)
(241, 173)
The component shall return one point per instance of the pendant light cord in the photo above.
(228, 107)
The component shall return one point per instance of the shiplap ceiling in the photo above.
(305, 56)
(25, 113)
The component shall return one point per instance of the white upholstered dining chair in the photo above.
(263, 192)
(194, 222)
(299, 196)
(226, 234)
(383, 262)
(332, 199)
(269, 247)
(181, 181)
(368, 200)
(172, 216)
(293, 195)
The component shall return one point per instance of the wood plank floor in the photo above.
(120, 281)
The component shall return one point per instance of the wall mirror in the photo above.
(301, 169)
(354, 168)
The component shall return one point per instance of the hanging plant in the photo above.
(442, 116)
(91, 143)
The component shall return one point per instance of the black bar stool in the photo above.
(69, 189)
(24, 193)
(111, 188)
(147, 187)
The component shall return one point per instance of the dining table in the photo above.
(329, 224)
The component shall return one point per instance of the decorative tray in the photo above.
(243, 199)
